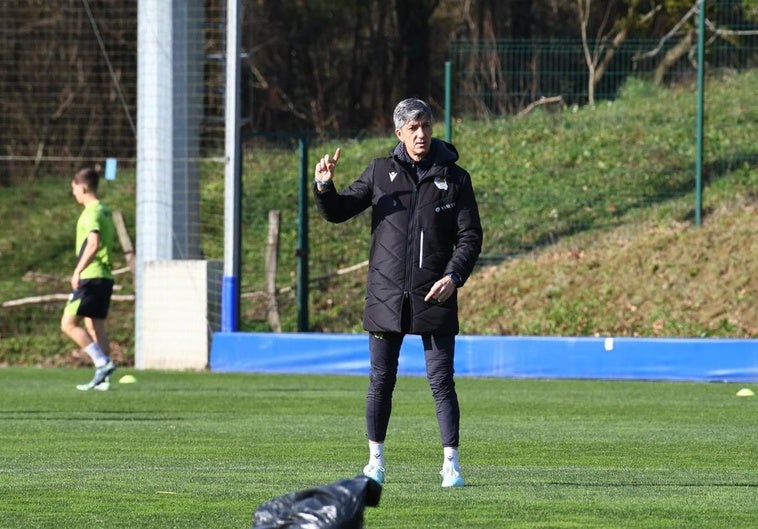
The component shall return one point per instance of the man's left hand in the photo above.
(441, 290)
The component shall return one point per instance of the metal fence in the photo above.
(504, 76)
(69, 84)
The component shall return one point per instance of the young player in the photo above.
(91, 280)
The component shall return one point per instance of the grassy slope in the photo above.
(587, 213)
(204, 450)
(650, 272)
(669, 279)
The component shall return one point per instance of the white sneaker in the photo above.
(101, 373)
(105, 385)
(374, 472)
(451, 477)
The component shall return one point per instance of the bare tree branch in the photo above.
(720, 32)
(655, 51)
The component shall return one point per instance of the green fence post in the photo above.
(448, 119)
(302, 249)
(700, 113)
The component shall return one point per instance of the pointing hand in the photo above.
(325, 166)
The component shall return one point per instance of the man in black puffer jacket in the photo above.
(425, 239)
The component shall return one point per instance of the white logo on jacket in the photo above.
(393, 174)
(444, 207)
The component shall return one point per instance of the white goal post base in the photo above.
(181, 311)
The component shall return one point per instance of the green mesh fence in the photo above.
(546, 166)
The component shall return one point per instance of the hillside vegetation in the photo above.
(588, 217)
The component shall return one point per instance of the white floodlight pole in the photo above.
(230, 291)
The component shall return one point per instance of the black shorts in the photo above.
(92, 299)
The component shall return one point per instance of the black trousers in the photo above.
(439, 351)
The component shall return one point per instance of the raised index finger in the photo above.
(337, 155)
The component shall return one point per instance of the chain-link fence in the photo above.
(69, 85)
(493, 77)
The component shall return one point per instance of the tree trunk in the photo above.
(413, 17)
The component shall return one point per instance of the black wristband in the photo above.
(456, 279)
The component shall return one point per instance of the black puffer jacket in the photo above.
(424, 224)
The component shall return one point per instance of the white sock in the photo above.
(450, 455)
(96, 354)
(376, 454)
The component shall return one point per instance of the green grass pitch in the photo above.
(203, 450)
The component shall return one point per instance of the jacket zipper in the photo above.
(421, 250)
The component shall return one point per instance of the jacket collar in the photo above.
(440, 153)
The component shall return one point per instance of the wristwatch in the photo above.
(456, 279)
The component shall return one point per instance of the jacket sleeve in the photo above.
(468, 244)
(341, 206)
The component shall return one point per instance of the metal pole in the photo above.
(230, 291)
(302, 249)
(700, 113)
(155, 194)
(448, 112)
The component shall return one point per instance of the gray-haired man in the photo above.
(426, 237)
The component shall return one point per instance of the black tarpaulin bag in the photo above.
(338, 505)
